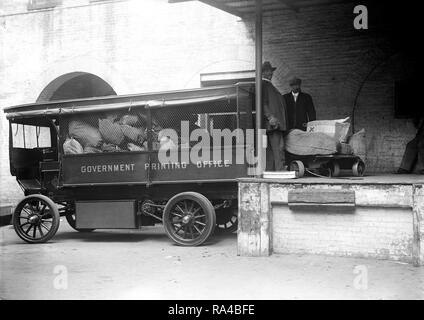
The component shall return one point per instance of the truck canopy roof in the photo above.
(146, 100)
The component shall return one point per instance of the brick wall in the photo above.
(367, 232)
(320, 45)
(380, 226)
(382, 222)
(135, 46)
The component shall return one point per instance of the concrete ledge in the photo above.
(385, 221)
(6, 215)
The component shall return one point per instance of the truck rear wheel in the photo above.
(36, 219)
(189, 218)
(226, 220)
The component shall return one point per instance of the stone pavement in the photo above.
(147, 265)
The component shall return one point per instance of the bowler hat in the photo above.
(267, 66)
(294, 81)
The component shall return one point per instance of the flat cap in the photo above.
(294, 81)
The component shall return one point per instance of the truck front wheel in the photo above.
(36, 219)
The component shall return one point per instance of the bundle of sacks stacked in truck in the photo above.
(324, 137)
(113, 133)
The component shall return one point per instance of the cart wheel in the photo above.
(297, 166)
(36, 219)
(189, 218)
(72, 222)
(226, 220)
(326, 171)
(358, 168)
(333, 169)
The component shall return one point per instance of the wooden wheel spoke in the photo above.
(41, 231)
(45, 213)
(197, 210)
(24, 224)
(176, 214)
(179, 228)
(44, 226)
(179, 208)
(198, 217)
(197, 229)
(26, 211)
(34, 231)
(201, 223)
(191, 206)
(27, 230)
(34, 209)
(191, 232)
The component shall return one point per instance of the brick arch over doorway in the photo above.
(75, 85)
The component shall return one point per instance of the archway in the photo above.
(75, 85)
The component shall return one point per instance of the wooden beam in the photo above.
(321, 196)
(223, 7)
(178, 1)
(258, 89)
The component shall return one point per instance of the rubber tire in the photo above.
(71, 222)
(208, 209)
(232, 228)
(358, 168)
(299, 167)
(334, 168)
(53, 209)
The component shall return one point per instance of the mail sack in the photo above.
(72, 146)
(86, 134)
(111, 131)
(299, 142)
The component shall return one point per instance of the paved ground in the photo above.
(146, 265)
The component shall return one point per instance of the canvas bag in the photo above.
(86, 134)
(72, 146)
(134, 134)
(358, 143)
(299, 142)
(111, 132)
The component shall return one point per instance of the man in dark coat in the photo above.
(300, 107)
(274, 121)
(414, 152)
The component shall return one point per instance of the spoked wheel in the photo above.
(298, 167)
(226, 220)
(358, 168)
(189, 218)
(36, 219)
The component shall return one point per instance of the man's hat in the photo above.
(267, 66)
(294, 81)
